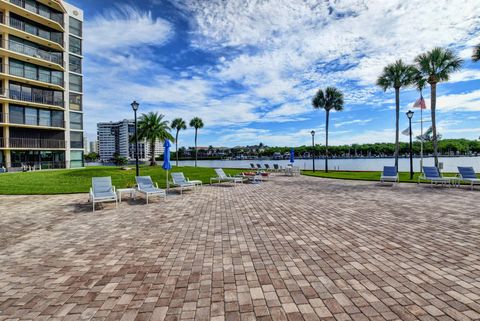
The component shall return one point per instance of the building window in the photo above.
(26, 70)
(75, 64)
(76, 159)
(75, 45)
(31, 116)
(76, 139)
(16, 115)
(76, 121)
(75, 83)
(36, 117)
(75, 101)
(75, 27)
(57, 119)
(45, 118)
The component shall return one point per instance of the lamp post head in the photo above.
(313, 133)
(135, 105)
(409, 114)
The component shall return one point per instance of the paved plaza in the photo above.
(297, 248)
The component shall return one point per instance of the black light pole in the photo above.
(313, 150)
(410, 115)
(135, 108)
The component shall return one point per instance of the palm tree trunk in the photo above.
(327, 115)
(433, 97)
(152, 153)
(196, 150)
(397, 125)
(176, 145)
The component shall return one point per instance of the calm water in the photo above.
(358, 164)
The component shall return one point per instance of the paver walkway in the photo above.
(291, 249)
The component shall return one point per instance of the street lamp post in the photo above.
(410, 115)
(135, 106)
(313, 150)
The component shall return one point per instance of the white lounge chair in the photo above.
(146, 187)
(222, 177)
(432, 174)
(389, 174)
(178, 179)
(468, 175)
(102, 191)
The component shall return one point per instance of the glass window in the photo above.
(75, 27)
(44, 118)
(16, 114)
(75, 83)
(76, 121)
(75, 64)
(37, 96)
(76, 139)
(43, 11)
(75, 45)
(75, 101)
(76, 159)
(16, 68)
(15, 91)
(26, 93)
(30, 5)
(47, 97)
(31, 116)
(58, 98)
(44, 75)
(57, 118)
(57, 78)
(30, 71)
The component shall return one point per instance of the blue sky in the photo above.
(249, 68)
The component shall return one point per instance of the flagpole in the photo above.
(421, 132)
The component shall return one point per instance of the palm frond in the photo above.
(476, 53)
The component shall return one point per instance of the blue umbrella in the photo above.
(166, 158)
(292, 155)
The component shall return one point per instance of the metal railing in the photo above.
(32, 97)
(31, 29)
(14, 142)
(3, 118)
(35, 166)
(56, 58)
(46, 13)
(33, 121)
(3, 142)
(33, 74)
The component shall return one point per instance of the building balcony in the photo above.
(31, 51)
(15, 23)
(42, 11)
(33, 121)
(32, 143)
(34, 74)
(32, 98)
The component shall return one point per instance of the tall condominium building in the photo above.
(115, 138)
(41, 112)
(93, 147)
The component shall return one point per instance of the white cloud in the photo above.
(352, 122)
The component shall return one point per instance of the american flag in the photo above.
(420, 103)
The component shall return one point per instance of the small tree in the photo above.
(196, 123)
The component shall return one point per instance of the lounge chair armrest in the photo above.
(156, 184)
(114, 189)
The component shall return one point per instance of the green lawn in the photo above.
(364, 176)
(79, 180)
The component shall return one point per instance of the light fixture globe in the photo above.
(312, 132)
(135, 105)
(409, 114)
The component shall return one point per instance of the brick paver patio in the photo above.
(289, 249)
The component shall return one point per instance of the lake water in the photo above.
(357, 164)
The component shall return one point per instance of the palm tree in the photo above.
(153, 128)
(397, 75)
(196, 123)
(436, 66)
(330, 99)
(476, 53)
(178, 124)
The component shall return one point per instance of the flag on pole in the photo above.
(420, 103)
(406, 132)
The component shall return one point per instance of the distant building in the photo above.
(116, 138)
(85, 144)
(93, 147)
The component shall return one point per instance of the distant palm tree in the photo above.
(330, 99)
(397, 75)
(436, 66)
(476, 53)
(153, 128)
(178, 124)
(196, 123)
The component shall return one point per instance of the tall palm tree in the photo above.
(397, 75)
(436, 66)
(178, 124)
(330, 99)
(196, 123)
(476, 53)
(153, 128)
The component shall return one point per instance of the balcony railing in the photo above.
(3, 118)
(13, 142)
(3, 142)
(32, 97)
(46, 13)
(32, 51)
(32, 74)
(31, 29)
